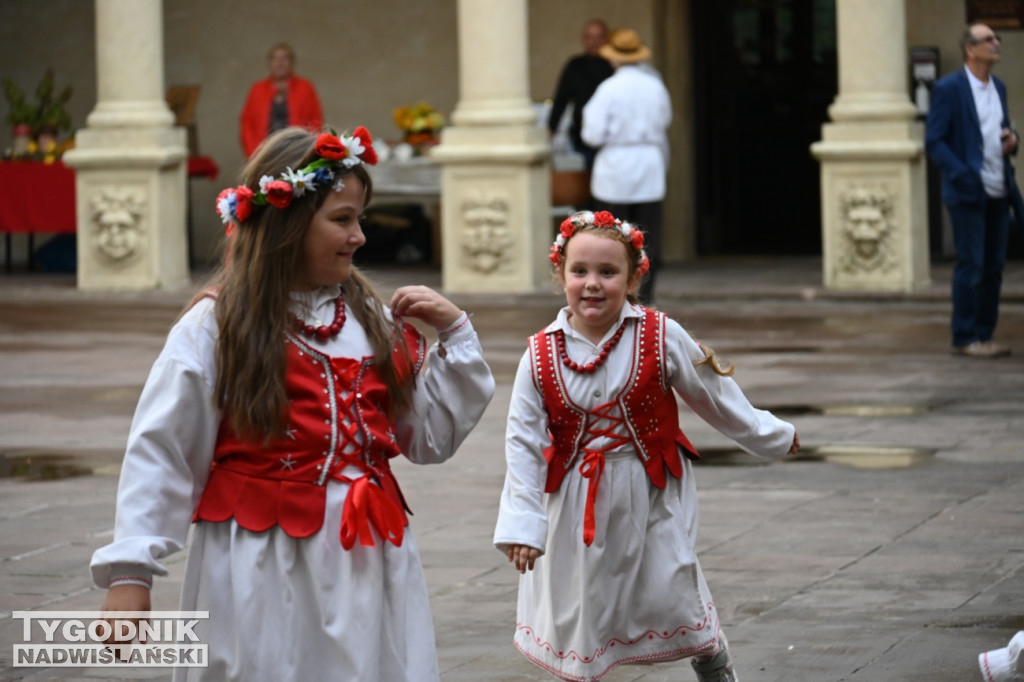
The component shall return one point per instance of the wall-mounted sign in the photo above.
(998, 14)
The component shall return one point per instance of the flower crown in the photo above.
(578, 221)
(234, 205)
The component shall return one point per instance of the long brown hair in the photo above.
(264, 257)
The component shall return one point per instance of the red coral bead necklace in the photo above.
(323, 331)
(591, 366)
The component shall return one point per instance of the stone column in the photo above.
(129, 160)
(495, 196)
(873, 167)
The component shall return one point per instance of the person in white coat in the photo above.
(627, 119)
(269, 421)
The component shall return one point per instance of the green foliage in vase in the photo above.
(48, 111)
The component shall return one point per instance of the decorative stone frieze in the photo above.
(487, 234)
(868, 226)
(117, 231)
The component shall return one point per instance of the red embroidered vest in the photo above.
(646, 401)
(284, 482)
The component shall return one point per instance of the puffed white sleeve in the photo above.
(522, 517)
(452, 392)
(719, 401)
(167, 458)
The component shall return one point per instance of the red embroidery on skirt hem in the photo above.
(987, 669)
(651, 658)
(599, 652)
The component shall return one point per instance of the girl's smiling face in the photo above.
(596, 279)
(334, 235)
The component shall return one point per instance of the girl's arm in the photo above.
(167, 458)
(522, 518)
(454, 389)
(720, 402)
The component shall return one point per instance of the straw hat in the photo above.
(625, 47)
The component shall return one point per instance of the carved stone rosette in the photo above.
(487, 239)
(868, 228)
(116, 213)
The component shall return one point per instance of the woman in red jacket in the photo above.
(278, 101)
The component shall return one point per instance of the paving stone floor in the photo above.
(892, 549)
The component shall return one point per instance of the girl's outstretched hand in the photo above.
(796, 444)
(425, 304)
(523, 556)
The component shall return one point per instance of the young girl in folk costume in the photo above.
(269, 420)
(600, 502)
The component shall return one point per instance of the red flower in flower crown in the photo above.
(330, 147)
(369, 155)
(637, 237)
(279, 193)
(645, 265)
(566, 228)
(243, 209)
(556, 255)
(603, 219)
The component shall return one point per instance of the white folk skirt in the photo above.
(283, 608)
(637, 594)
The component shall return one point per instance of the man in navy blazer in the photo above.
(969, 137)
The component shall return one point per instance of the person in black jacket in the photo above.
(580, 77)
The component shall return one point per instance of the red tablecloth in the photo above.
(40, 197)
(36, 197)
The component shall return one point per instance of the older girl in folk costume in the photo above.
(600, 503)
(269, 420)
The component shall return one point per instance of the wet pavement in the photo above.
(891, 548)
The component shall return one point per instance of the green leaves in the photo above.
(49, 110)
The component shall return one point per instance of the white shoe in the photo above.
(998, 350)
(981, 349)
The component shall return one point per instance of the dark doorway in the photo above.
(765, 74)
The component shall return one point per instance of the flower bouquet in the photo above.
(36, 126)
(420, 123)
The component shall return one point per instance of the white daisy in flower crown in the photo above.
(300, 181)
(235, 204)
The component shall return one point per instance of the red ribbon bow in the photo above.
(368, 504)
